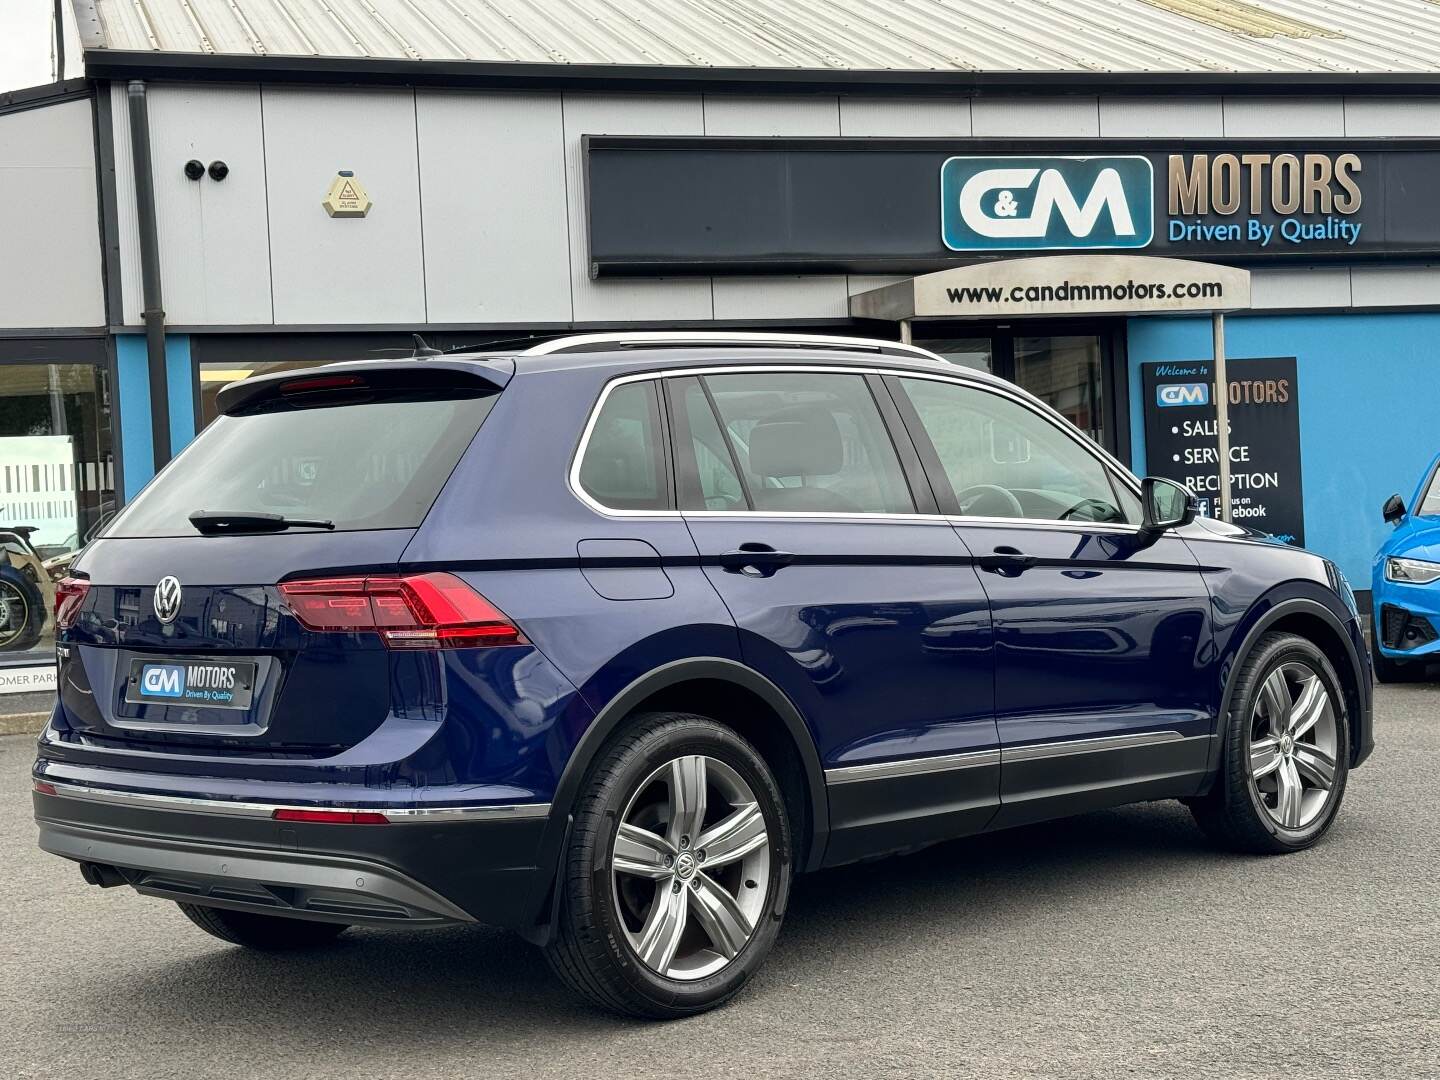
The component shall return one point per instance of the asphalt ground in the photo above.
(25, 713)
(1112, 945)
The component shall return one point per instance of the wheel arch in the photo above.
(1317, 623)
(730, 693)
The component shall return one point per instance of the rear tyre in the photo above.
(22, 610)
(268, 933)
(1286, 755)
(678, 868)
(1393, 671)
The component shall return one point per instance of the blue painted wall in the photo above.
(1369, 410)
(137, 452)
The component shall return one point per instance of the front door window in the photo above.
(1066, 370)
(1005, 461)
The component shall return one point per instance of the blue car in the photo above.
(605, 641)
(1406, 584)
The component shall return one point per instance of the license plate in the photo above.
(214, 684)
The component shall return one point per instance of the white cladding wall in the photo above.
(479, 202)
(50, 272)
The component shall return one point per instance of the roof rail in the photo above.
(659, 339)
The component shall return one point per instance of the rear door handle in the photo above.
(1007, 561)
(755, 560)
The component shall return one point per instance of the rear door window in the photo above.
(708, 479)
(804, 442)
(362, 465)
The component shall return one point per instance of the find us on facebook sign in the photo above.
(1046, 203)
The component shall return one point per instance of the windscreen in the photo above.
(376, 464)
(1430, 504)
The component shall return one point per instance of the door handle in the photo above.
(755, 560)
(1007, 561)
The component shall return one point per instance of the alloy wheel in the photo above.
(690, 867)
(1293, 745)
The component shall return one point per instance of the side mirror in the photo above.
(1394, 509)
(1167, 505)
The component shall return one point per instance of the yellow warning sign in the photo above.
(347, 197)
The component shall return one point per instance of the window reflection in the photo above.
(57, 487)
(1064, 372)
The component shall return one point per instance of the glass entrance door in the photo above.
(1064, 371)
(1071, 367)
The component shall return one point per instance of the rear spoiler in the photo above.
(466, 376)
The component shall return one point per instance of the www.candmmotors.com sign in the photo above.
(708, 205)
(1112, 283)
(1046, 203)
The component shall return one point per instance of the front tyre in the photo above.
(1287, 751)
(677, 871)
(267, 933)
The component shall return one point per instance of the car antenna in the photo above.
(422, 349)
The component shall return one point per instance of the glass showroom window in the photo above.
(57, 487)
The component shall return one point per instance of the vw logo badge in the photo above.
(167, 598)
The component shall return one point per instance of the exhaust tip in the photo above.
(107, 877)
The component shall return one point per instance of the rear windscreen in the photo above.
(368, 465)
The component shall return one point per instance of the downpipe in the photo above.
(153, 311)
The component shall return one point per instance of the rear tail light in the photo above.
(417, 611)
(69, 595)
(44, 787)
(333, 817)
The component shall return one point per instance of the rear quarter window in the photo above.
(622, 466)
(361, 465)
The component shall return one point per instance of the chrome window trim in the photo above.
(228, 808)
(1085, 445)
(1068, 747)
(888, 770)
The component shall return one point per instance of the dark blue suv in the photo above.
(605, 641)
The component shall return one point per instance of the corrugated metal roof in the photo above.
(1115, 36)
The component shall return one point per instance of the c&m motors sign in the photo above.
(670, 205)
(1046, 203)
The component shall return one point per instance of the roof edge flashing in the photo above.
(102, 63)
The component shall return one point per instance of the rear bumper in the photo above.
(471, 865)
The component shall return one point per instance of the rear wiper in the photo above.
(213, 522)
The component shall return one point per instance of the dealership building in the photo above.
(1062, 193)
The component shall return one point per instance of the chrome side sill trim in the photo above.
(887, 770)
(226, 807)
(1040, 751)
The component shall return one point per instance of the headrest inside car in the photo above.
(803, 440)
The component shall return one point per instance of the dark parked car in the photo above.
(606, 641)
